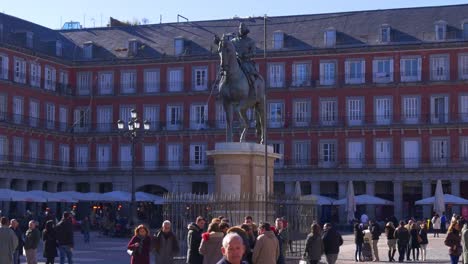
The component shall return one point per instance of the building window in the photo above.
(128, 80)
(81, 120)
(132, 47)
(465, 30)
(125, 113)
(440, 30)
(463, 66)
(151, 114)
(150, 156)
(301, 74)
(88, 50)
(50, 78)
(411, 153)
(385, 34)
(49, 153)
(410, 69)
(17, 149)
(3, 148)
(327, 73)
(355, 71)
(18, 110)
(106, 83)
(330, 37)
(63, 82)
(179, 46)
(276, 75)
(174, 117)
(383, 153)
(411, 110)
(301, 153)
(383, 110)
(3, 67)
(58, 48)
(104, 118)
(463, 149)
(34, 112)
(33, 151)
(176, 82)
(35, 80)
(439, 109)
(276, 114)
(327, 154)
(84, 83)
(3, 107)
(103, 156)
(125, 153)
(463, 116)
(197, 156)
(328, 112)
(63, 118)
(301, 113)
(278, 148)
(355, 153)
(220, 116)
(355, 111)
(64, 151)
(439, 152)
(200, 78)
(199, 117)
(440, 68)
(152, 81)
(29, 39)
(20, 71)
(50, 116)
(174, 156)
(382, 70)
(278, 40)
(199, 187)
(81, 157)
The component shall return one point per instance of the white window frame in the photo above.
(50, 115)
(278, 148)
(175, 77)
(200, 78)
(125, 156)
(103, 156)
(64, 152)
(383, 110)
(301, 72)
(440, 29)
(18, 150)
(301, 153)
(382, 161)
(58, 48)
(104, 118)
(88, 50)
(4, 66)
(49, 152)
(106, 83)
(220, 116)
(125, 113)
(150, 156)
(355, 71)
(463, 150)
(301, 113)
(440, 151)
(440, 67)
(83, 83)
(63, 118)
(410, 161)
(198, 116)
(128, 81)
(81, 157)
(174, 156)
(81, 119)
(276, 75)
(328, 111)
(197, 155)
(152, 80)
(355, 111)
(327, 153)
(174, 117)
(3, 106)
(329, 38)
(439, 116)
(179, 46)
(385, 31)
(278, 40)
(35, 75)
(50, 78)
(411, 109)
(18, 109)
(34, 112)
(276, 114)
(63, 81)
(463, 66)
(411, 75)
(33, 152)
(3, 148)
(19, 70)
(380, 73)
(355, 160)
(151, 114)
(328, 70)
(463, 107)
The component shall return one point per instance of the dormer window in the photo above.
(440, 30)
(29, 39)
(58, 48)
(132, 47)
(278, 40)
(330, 37)
(465, 28)
(88, 50)
(178, 46)
(385, 33)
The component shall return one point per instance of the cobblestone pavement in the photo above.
(105, 250)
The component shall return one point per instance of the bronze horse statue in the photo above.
(236, 92)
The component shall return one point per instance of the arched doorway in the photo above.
(148, 211)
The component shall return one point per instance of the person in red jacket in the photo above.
(140, 245)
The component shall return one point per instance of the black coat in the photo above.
(358, 234)
(332, 241)
(414, 238)
(50, 244)
(64, 233)
(224, 261)
(194, 238)
(375, 231)
(423, 235)
(402, 236)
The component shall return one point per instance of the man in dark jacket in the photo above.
(332, 241)
(233, 249)
(376, 232)
(402, 237)
(194, 237)
(31, 241)
(14, 225)
(64, 231)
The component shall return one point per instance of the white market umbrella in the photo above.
(116, 196)
(319, 200)
(297, 190)
(28, 197)
(54, 197)
(439, 202)
(365, 199)
(148, 197)
(350, 202)
(448, 198)
(6, 194)
(90, 196)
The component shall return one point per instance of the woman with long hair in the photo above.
(453, 241)
(358, 240)
(139, 246)
(414, 242)
(424, 241)
(391, 240)
(50, 242)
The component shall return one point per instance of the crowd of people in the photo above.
(56, 237)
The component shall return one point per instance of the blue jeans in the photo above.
(86, 236)
(454, 259)
(16, 257)
(65, 251)
(358, 252)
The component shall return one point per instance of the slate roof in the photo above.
(302, 33)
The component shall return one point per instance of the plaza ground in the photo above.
(105, 250)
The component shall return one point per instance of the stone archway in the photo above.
(152, 189)
(150, 212)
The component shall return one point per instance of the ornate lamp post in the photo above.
(133, 132)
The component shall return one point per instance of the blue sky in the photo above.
(90, 13)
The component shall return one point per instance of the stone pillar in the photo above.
(398, 198)
(370, 190)
(455, 184)
(5, 205)
(426, 192)
(68, 186)
(94, 187)
(342, 186)
(315, 187)
(21, 185)
(289, 187)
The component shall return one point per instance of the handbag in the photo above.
(130, 252)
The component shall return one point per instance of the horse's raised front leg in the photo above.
(259, 126)
(243, 118)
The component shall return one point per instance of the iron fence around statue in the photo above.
(183, 208)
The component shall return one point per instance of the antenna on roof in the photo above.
(160, 19)
(178, 15)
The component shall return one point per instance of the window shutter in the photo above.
(363, 71)
(322, 73)
(374, 69)
(347, 71)
(391, 70)
(5, 67)
(419, 69)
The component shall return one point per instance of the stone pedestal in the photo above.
(240, 175)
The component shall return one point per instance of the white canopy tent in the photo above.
(365, 199)
(448, 199)
(439, 201)
(54, 197)
(320, 200)
(350, 202)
